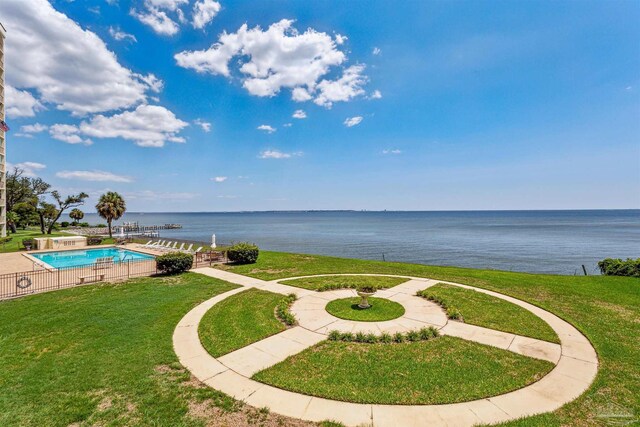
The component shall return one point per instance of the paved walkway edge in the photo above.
(576, 368)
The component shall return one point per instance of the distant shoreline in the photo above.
(380, 211)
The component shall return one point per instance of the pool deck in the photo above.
(18, 262)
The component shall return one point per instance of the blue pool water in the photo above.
(62, 259)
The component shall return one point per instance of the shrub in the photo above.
(398, 337)
(94, 240)
(347, 337)
(413, 336)
(334, 335)
(428, 333)
(29, 243)
(453, 313)
(243, 253)
(386, 338)
(360, 337)
(618, 267)
(282, 310)
(64, 224)
(366, 289)
(174, 262)
(83, 224)
(370, 339)
(4, 240)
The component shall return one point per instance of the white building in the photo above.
(3, 143)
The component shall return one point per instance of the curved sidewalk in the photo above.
(575, 357)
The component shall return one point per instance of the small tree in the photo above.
(111, 206)
(12, 221)
(76, 215)
(50, 213)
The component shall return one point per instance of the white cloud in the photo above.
(155, 16)
(30, 169)
(153, 83)
(275, 154)
(204, 11)
(340, 39)
(343, 89)
(120, 35)
(394, 151)
(147, 126)
(166, 4)
(68, 134)
(279, 57)
(267, 128)
(219, 179)
(376, 94)
(227, 197)
(206, 126)
(299, 114)
(352, 121)
(157, 19)
(95, 175)
(376, 51)
(21, 103)
(67, 65)
(34, 128)
(287, 125)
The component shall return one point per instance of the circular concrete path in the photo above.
(576, 360)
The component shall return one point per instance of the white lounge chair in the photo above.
(188, 250)
(181, 247)
(145, 245)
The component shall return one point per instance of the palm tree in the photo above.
(111, 206)
(76, 215)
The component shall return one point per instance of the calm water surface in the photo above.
(532, 241)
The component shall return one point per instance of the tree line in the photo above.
(31, 201)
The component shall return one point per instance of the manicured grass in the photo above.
(240, 320)
(605, 309)
(381, 309)
(344, 282)
(15, 244)
(491, 312)
(101, 355)
(443, 370)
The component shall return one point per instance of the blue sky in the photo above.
(453, 105)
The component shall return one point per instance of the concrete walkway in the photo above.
(576, 360)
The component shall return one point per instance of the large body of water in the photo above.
(531, 241)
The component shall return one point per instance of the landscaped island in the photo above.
(103, 354)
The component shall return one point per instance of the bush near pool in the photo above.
(243, 253)
(174, 263)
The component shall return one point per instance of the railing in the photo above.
(14, 285)
(43, 279)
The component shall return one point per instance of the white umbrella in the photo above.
(213, 241)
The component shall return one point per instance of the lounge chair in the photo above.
(188, 250)
(197, 250)
(181, 247)
(145, 245)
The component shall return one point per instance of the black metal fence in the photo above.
(13, 285)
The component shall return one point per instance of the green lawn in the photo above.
(344, 282)
(493, 313)
(443, 370)
(103, 355)
(240, 320)
(605, 309)
(381, 309)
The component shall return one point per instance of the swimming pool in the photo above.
(65, 259)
